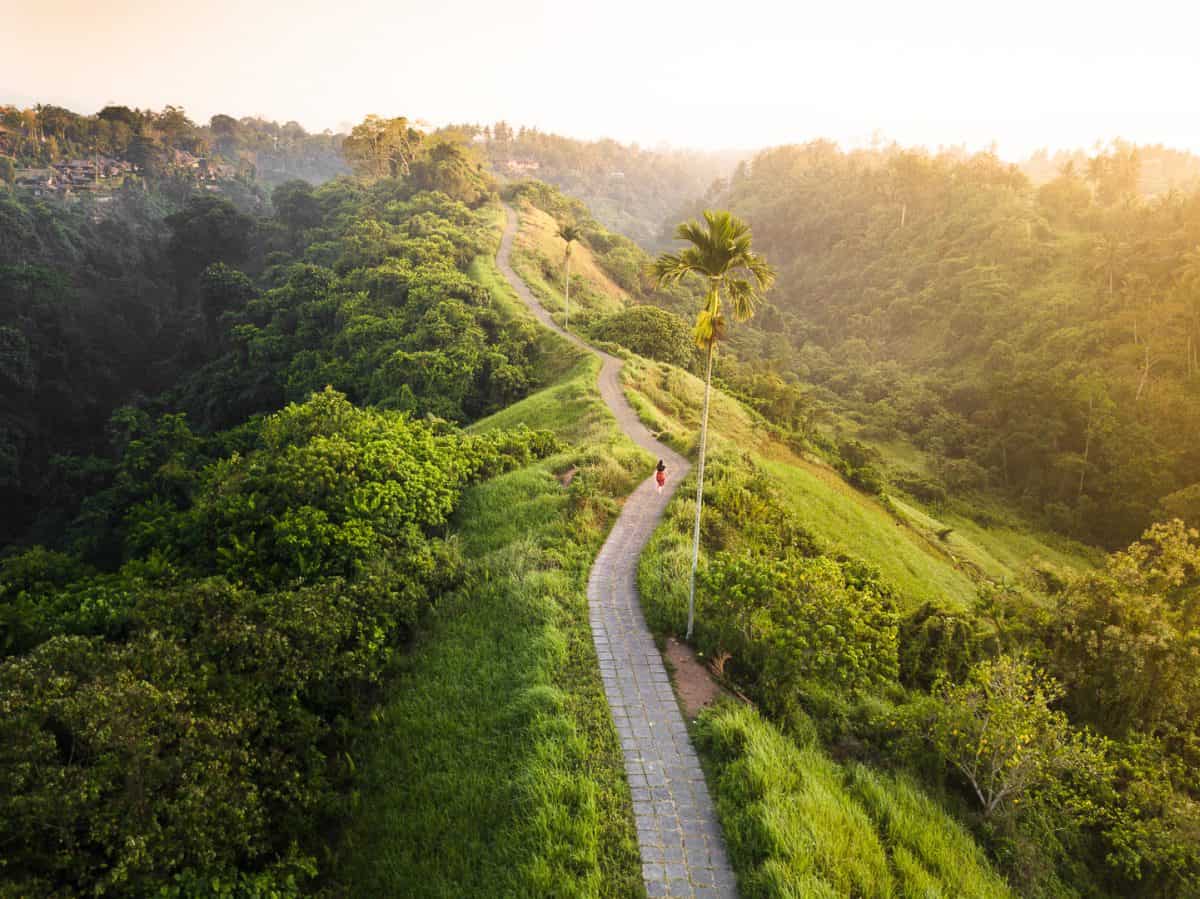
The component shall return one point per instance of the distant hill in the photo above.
(1041, 341)
(1159, 169)
(630, 189)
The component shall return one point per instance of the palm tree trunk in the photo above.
(691, 620)
(567, 290)
(1087, 448)
(1145, 375)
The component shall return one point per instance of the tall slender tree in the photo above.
(569, 234)
(720, 253)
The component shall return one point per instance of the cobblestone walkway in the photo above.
(678, 834)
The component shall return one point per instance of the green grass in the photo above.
(537, 258)
(1005, 551)
(797, 824)
(538, 239)
(847, 520)
(905, 547)
(571, 408)
(494, 768)
(933, 854)
(1014, 547)
(670, 400)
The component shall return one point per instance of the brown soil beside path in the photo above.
(694, 684)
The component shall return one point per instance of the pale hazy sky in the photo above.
(744, 73)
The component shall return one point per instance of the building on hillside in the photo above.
(182, 159)
(522, 166)
(39, 182)
(89, 172)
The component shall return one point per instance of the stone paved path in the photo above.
(683, 853)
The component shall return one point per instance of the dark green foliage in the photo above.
(207, 230)
(447, 167)
(379, 307)
(180, 706)
(859, 465)
(190, 712)
(936, 644)
(296, 206)
(222, 289)
(1125, 640)
(88, 320)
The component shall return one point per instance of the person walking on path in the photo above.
(660, 475)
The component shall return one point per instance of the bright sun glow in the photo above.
(1025, 74)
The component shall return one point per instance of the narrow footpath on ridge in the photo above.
(682, 851)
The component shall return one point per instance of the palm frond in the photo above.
(695, 234)
(669, 268)
(743, 298)
(758, 268)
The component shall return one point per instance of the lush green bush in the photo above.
(936, 644)
(797, 619)
(190, 713)
(651, 332)
(860, 466)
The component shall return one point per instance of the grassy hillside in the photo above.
(819, 795)
(800, 824)
(495, 769)
(538, 258)
(1041, 344)
(899, 537)
(928, 553)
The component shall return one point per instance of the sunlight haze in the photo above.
(1025, 74)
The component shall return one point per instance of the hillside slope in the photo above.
(666, 399)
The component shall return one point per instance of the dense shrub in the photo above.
(859, 464)
(935, 644)
(797, 619)
(651, 332)
(187, 716)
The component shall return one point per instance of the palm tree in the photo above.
(570, 234)
(720, 253)
(1108, 257)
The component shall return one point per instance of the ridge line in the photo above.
(679, 837)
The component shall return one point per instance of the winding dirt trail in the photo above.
(683, 853)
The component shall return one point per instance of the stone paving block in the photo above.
(680, 889)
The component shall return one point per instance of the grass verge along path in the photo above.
(682, 850)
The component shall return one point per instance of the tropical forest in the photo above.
(455, 507)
